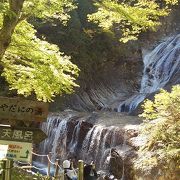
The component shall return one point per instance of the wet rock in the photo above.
(116, 164)
(119, 167)
(75, 139)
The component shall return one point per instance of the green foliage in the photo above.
(162, 128)
(46, 9)
(166, 105)
(130, 17)
(35, 65)
(90, 48)
(20, 174)
(31, 65)
(58, 9)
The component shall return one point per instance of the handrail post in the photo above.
(31, 161)
(80, 170)
(49, 164)
(8, 166)
(3, 169)
(61, 176)
(56, 168)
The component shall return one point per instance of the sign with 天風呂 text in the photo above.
(22, 134)
(22, 109)
(18, 151)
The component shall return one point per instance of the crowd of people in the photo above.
(71, 173)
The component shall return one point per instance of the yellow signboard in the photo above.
(22, 109)
(18, 151)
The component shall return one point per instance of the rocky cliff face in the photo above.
(110, 72)
(110, 80)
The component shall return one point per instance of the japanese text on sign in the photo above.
(22, 109)
(15, 150)
(16, 135)
(15, 108)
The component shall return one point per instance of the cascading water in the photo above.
(64, 135)
(74, 141)
(72, 136)
(160, 66)
(98, 143)
(59, 143)
(56, 130)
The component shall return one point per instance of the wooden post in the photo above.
(80, 170)
(56, 168)
(31, 161)
(3, 165)
(61, 176)
(49, 164)
(8, 166)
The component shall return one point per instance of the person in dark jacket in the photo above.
(90, 172)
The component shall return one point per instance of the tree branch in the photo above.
(10, 20)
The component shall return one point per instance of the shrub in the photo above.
(161, 126)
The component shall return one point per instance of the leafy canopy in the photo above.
(130, 17)
(31, 65)
(47, 9)
(162, 128)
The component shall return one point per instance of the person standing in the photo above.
(90, 172)
(70, 173)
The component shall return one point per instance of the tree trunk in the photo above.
(9, 23)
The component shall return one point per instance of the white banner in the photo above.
(18, 151)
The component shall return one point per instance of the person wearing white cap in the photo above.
(66, 164)
(69, 172)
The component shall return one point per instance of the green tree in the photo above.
(162, 128)
(130, 17)
(31, 65)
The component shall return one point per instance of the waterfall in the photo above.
(160, 66)
(71, 136)
(50, 128)
(59, 142)
(56, 130)
(92, 136)
(74, 141)
(99, 142)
